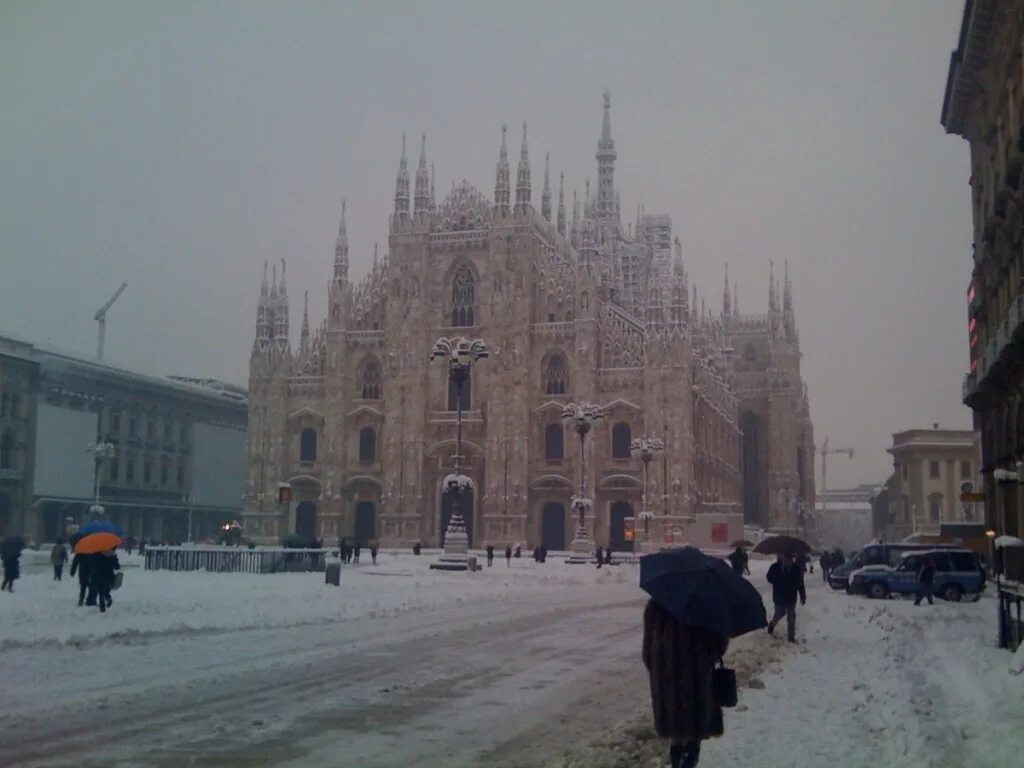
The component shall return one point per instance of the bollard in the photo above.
(332, 574)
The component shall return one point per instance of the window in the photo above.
(3, 405)
(164, 472)
(555, 378)
(367, 444)
(15, 403)
(114, 469)
(183, 434)
(133, 426)
(150, 429)
(905, 471)
(554, 441)
(307, 445)
(621, 438)
(168, 430)
(369, 380)
(181, 475)
(463, 299)
(129, 471)
(551, 317)
(935, 507)
(7, 451)
(115, 424)
(933, 469)
(965, 470)
(467, 392)
(147, 471)
(749, 354)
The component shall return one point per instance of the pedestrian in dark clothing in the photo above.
(490, 555)
(787, 582)
(142, 547)
(82, 564)
(374, 549)
(12, 570)
(508, 555)
(105, 565)
(417, 548)
(355, 551)
(838, 558)
(801, 563)
(518, 551)
(826, 566)
(536, 554)
(543, 553)
(925, 582)
(58, 557)
(608, 555)
(600, 556)
(680, 661)
(738, 560)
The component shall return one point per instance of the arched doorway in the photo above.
(617, 526)
(305, 520)
(465, 506)
(552, 526)
(366, 522)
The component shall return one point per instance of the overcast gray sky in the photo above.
(176, 145)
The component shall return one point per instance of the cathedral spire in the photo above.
(772, 305)
(545, 196)
(735, 300)
(502, 188)
(402, 186)
(523, 177)
(726, 299)
(304, 337)
(606, 207)
(341, 248)
(422, 199)
(273, 286)
(263, 310)
(281, 311)
(787, 290)
(433, 200)
(561, 203)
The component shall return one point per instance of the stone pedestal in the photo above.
(456, 547)
(582, 547)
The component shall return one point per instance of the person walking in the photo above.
(508, 555)
(825, 561)
(11, 554)
(58, 557)
(82, 564)
(105, 564)
(490, 555)
(738, 560)
(608, 555)
(518, 551)
(355, 551)
(600, 555)
(680, 660)
(787, 580)
(374, 549)
(925, 582)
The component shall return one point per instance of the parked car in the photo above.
(885, 554)
(958, 572)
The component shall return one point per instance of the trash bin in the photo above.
(332, 574)
(471, 562)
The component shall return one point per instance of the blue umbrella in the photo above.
(702, 591)
(99, 526)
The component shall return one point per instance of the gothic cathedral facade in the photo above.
(360, 425)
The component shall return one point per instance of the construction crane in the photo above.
(101, 318)
(825, 453)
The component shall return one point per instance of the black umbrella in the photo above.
(702, 591)
(783, 545)
(11, 546)
(742, 544)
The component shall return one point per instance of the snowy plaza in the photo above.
(402, 665)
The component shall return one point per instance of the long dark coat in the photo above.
(680, 660)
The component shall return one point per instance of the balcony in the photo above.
(10, 474)
(1005, 337)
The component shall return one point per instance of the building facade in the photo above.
(984, 103)
(576, 307)
(19, 380)
(177, 461)
(930, 468)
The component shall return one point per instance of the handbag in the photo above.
(723, 682)
(119, 579)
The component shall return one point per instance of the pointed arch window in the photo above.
(307, 445)
(556, 379)
(7, 451)
(463, 299)
(622, 436)
(369, 380)
(467, 394)
(554, 442)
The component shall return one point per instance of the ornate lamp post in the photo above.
(582, 416)
(646, 448)
(461, 354)
(101, 451)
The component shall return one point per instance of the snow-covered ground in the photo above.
(523, 666)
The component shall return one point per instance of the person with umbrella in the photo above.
(697, 603)
(104, 566)
(738, 560)
(10, 553)
(82, 565)
(787, 580)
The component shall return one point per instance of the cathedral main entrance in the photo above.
(465, 506)
(305, 520)
(366, 522)
(552, 526)
(617, 526)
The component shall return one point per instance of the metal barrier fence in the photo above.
(234, 559)
(1011, 628)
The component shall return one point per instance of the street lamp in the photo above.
(582, 416)
(461, 354)
(101, 451)
(646, 448)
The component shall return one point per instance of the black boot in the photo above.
(675, 755)
(691, 755)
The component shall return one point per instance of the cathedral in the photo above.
(352, 432)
